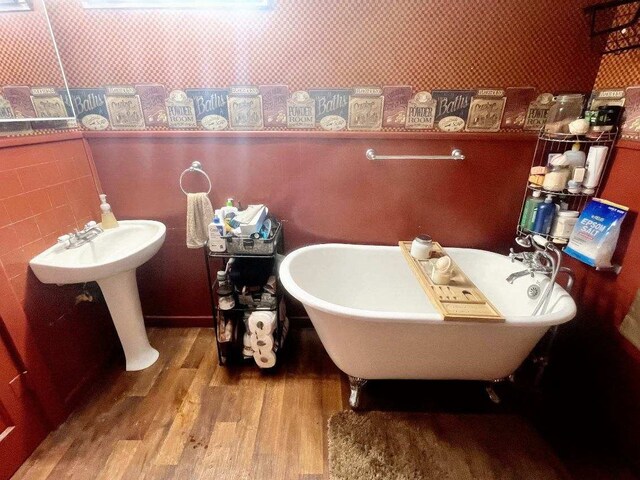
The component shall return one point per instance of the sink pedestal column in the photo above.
(123, 300)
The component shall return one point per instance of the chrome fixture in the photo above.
(456, 154)
(196, 167)
(75, 239)
(489, 388)
(355, 384)
(546, 259)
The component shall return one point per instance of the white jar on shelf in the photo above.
(556, 178)
(563, 225)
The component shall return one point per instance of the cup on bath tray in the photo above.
(441, 274)
(421, 247)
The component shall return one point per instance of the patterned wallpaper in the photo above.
(445, 64)
(439, 44)
(27, 56)
(619, 70)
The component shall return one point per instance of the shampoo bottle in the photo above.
(544, 216)
(529, 208)
(108, 218)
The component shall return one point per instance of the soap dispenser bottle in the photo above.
(108, 218)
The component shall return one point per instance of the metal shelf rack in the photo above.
(558, 143)
(232, 350)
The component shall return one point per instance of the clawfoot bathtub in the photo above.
(376, 322)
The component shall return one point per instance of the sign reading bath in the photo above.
(458, 300)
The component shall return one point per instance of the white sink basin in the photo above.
(111, 259)
(114, 251)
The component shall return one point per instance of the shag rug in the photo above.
(408, 446)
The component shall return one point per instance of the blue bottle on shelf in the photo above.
(544, 216)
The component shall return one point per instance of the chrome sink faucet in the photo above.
(78, 238)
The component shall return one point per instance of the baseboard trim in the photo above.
(178, 321)
(204, 321)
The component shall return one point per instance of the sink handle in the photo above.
(64, 238)
(90, 224)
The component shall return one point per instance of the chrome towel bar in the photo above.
(456, 154)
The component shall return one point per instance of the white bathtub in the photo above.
(376, 322)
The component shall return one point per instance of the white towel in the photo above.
(199, 216)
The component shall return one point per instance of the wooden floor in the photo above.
(187, 418)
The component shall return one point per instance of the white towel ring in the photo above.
(195, 167)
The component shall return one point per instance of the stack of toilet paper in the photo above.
(259, 338)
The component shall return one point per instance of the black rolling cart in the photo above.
(228, 323)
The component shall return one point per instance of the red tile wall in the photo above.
(47, 188)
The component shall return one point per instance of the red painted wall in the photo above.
(598, 370)
(321, 186)
(47, 188)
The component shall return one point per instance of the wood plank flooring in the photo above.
(187, 418)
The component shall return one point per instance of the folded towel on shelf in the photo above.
(199, 216)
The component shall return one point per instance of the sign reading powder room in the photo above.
(396, 100)
(332, 107)
(91, 107)
(152, 97)
(365, 108)
(452, 108)
(421, 111)
(180, 111)
(211, 107)
(274, 105)
(125, 110)
(515, 111)
(301, 111)
(485, 112)
(538, 112)
(245, 108)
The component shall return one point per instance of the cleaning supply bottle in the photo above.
(108, 218)
(530, 206)
(544, 216)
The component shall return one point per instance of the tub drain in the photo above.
(533, 291)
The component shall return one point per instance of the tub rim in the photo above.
(554, 318)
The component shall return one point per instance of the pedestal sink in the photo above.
(111, 259)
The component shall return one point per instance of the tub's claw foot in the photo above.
(356, 384)
(493, 396)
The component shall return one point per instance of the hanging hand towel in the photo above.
(199, 216)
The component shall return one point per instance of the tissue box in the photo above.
(250, 225)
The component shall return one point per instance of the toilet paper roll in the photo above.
(265, 359)
(247, 352)
(262, 343)
(262, 323)
(246, 340)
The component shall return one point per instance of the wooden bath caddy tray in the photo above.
(460, 300)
